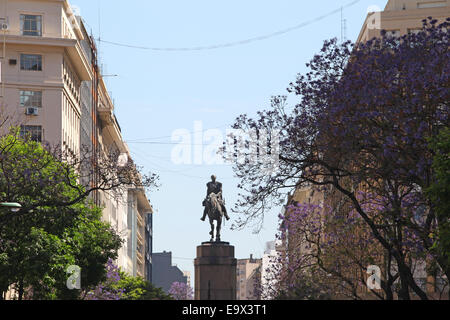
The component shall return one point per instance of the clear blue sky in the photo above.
(158, 92)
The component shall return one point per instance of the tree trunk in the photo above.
(389, 294)
(21, 291)
(403, 294)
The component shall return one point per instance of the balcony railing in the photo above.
(140, 239)
(140, 257)
(140, 220)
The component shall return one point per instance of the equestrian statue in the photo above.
(214, 207)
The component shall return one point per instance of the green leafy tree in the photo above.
(121, 286)
(439, 192)
(39, 243)
(136, 288)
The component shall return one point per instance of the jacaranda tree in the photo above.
(181, 291)
(361, 128)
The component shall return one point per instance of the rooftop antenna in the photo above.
(99, 29)
(345, 30)
(342, 14)
(99, 22)
(343, 26)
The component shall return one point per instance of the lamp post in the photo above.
(13, 206)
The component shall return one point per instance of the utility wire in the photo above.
(167, 137)
(181, 172)
(144, 156)
(178, 258)
(236, 43)
(171, 143)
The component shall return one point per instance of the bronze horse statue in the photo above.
(214, 210)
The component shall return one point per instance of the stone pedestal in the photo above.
(215, 272)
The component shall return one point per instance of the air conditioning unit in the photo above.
(32, 111)
(4, 26)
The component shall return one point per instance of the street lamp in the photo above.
(13, 206)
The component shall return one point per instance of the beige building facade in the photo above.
(248, 278)
(42, 69)
(187, 274)
(138, 208)
(50, 84)
(402, 16)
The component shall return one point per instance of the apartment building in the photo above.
(42, 69)
(187, 274)
(269, 264)
(402, 16)
(52, 87)
(149, 247)
(164, 272)
(248, 279)
(138, 210)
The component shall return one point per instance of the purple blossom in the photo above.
(112, 277)
(181, 291)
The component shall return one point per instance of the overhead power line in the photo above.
(170, 143)
(235, 43)
(167, 137)
(178, 258)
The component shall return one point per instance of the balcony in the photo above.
(73, 47)
(140, 258)
(140, 221)
(140, 239)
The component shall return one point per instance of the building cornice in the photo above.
(40, 41)
(70, 14)
(143, 203)
(404, 15)
(72, 46)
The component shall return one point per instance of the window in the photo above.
(31, 99)
(31, 25)
(415, 31)
(33, 133)
(114, 213)
(31, 62)
(393, 33)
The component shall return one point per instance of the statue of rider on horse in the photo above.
(214, 206)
